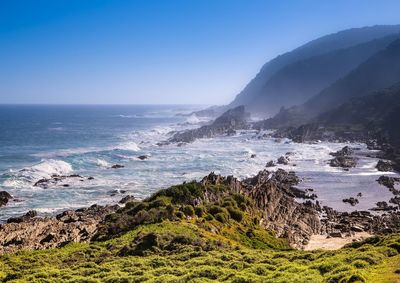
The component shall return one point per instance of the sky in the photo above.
(158, 51)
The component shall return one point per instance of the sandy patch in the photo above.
(321, 242)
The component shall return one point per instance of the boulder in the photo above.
(117, 166)
(283, 160)
(384, 166)
(4, 198)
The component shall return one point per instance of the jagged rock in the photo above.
(4, 198)
(226, 124)
(388, 182)
(352, 201)
(126, 199)
(343, 161)
(345, 151)
(117, 166)
(384, 166)
(343, 158)
(270, 164)
(27, 216)
(271, 192)
(32, 233)
(283, 160)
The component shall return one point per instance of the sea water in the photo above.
(38, 141)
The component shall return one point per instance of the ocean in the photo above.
(38, 141)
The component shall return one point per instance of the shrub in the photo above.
(199, 211)
(222, 217)
(235, 214)
(188, 210)
(179, 214)
(209, 217)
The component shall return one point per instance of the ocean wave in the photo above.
(102, 163)
(29, 175)
(131, 146)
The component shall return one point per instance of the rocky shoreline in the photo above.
(274, 194)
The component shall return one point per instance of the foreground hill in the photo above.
(295, 76)
(215, 230)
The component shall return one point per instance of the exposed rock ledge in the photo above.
(226, 124)
(31, 233)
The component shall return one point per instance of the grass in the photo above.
(175, 236)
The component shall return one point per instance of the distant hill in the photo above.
(295, 76)
(380, 71)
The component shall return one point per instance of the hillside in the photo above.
(333, 43)
(380, 71)
(208, 231)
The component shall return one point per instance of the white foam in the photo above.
(102, 163)
(192, 119)
(44, 169)
(132, 146)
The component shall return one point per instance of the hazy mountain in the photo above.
(380, 71)
(297, 75)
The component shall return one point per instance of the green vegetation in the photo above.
(175, 236)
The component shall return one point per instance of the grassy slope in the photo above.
(164, 239)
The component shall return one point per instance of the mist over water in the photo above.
(37, 142)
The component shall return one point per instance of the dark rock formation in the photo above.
(352, 201)
(359, 221)
(117, 166)
(4, 198)
(126, 199)
(143, 157)
(226, 124)
(31, 233)
(30, 214)
(384, 166)
(283, 160)
(270, 164)
(343, 158)
(57, 179)
(388, 182)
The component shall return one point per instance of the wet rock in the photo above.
(283, 160)
(253, 156)
(143, 157)
(345, 151)
(4, 198)
(352, 201)
(270, 164)
(226, 124)
(90, 178)
(117, 166)
(359, 194)
(126, 199)
(384, 166)
(388, 182)
(343, 158)
(343, 161)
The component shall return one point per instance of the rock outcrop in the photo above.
(343, 158)
(226, 124)
(31, 233)
(272, 194)
(4, 198)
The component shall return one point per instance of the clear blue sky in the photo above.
(177, 51)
